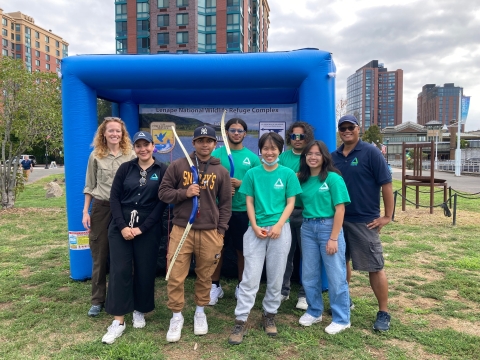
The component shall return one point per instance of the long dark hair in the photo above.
(327, 164)
(307, 129)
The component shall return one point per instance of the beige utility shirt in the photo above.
(100, 174)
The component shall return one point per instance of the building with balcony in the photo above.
(375, 96)
(438, 103)
(40, 49)
(191, 26)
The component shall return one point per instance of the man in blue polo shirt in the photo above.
(365, 172)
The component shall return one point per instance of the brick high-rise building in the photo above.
(191, 26)
(40, 49)
(438, 103)
(375, 96)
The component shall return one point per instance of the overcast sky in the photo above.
(433, 41)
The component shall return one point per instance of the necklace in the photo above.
(201, 178)
(293, 151)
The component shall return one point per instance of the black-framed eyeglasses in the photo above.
(143, 179)
(233, 131)
(345, 128)
(297, 136)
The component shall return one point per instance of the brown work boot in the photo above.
(238, 331)
(268, 323)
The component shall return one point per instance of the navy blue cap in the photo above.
(204, 131)
(142, 135)
(348, 118)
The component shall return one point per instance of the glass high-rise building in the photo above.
(438, 103)
(191, 26)
(40, 49)
(375, 96)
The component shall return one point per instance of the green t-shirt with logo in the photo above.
(243, 160)
(320, 198)
(290, 160)
(270, 190)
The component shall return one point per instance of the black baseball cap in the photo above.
(142, 135)
(204, 131)
(348, 118)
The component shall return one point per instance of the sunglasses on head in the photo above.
(297, 136)
(345, 128)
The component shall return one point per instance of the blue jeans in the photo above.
(315, 235)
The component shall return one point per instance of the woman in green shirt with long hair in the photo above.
(323, 198)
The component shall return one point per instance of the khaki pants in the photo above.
(207, 246)
(26, 174)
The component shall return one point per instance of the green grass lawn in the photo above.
(432, 267)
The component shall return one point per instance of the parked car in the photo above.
(31, 157)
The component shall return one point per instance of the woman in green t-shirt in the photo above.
(323, 198)
(270, 192)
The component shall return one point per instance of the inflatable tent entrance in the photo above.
(303, 77)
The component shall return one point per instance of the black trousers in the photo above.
(133, 264)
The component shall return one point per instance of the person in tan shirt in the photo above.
(112, 147)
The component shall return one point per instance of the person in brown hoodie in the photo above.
(205, 239)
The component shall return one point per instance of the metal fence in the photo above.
(446, 165)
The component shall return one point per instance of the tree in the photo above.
(104, 109)
(30, 114)
(373, 135)
(340, 110)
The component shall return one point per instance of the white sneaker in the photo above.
(335, 328)
(216, 293)
(309, 320)
(114, 331)
(175, 330)
(200, 325)
(302, 303)
(138, 320)
(284, 298)
(237, 289)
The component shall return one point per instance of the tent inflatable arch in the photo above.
(303, 77)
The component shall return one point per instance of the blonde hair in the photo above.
(100, 148)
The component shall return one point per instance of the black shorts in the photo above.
(364, 247)
(237, 226)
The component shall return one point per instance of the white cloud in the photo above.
(433, 41)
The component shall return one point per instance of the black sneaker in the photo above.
(383, 321)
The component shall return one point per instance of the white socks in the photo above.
(177, 315)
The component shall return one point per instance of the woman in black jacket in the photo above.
(134, 236)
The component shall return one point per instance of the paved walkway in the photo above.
(466, 183)
(39, 172)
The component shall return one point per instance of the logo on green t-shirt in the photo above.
(324, 187)
(278, 184)
(246, 161)
(354, 162)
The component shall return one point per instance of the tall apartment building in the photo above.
(438, 103)
(191, 26)
(40, 49)
(375, 96)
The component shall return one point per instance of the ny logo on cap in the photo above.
(203, 131)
